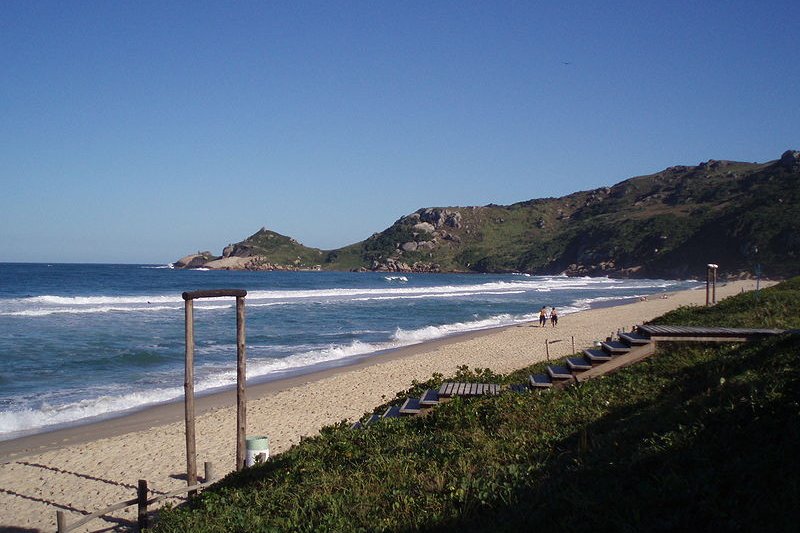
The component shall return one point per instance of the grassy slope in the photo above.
(694, 438)
(669, 224)
(282, 250)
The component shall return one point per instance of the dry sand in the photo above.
(84, 469)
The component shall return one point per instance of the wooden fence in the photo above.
(141, 501)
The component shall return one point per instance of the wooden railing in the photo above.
(141, 501)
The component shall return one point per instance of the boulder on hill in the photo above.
(194, 260)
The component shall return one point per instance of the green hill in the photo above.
(669, 224)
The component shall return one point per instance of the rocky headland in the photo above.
(742, 216)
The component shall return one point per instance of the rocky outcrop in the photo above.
(255, 262)
(393, 265)
(790, 160)
(198, 260)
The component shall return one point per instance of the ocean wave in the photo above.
(45, 305)
(212, 376)
(84, 310)
(443, 295)
(44, 416)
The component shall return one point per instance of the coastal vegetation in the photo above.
(700, 437)
(743, 216)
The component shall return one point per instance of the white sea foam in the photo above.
(45, 416)
(211, 376)
(39, 306)
(54, 304)
(85, 310)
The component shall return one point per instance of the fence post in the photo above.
(209, 470)
(547, 349)
(573, 344)
(141, 494)
(188, 387)
(61, 522)
(241, 392)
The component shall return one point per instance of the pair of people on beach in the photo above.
(543, 316)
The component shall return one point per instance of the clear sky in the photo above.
(142, 131)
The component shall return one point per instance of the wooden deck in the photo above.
(704, 334)
(449, 389)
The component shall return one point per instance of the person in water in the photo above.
(554, 317)
(543, 317)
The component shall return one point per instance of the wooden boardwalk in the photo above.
(704, 334)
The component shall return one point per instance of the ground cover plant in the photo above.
(694, 438)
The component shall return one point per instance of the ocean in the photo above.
(82, 342)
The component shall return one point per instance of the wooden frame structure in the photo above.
(188, 382)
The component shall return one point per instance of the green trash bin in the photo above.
(255, 447)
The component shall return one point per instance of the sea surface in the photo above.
(80, 342)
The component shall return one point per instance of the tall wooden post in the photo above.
(188, 390)
(241, 377)
(188, 383)
(714, 284)
(711, 283)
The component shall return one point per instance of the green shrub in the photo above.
(695, 438)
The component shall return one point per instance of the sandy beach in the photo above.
(80, 470)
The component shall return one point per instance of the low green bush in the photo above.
(695, 438)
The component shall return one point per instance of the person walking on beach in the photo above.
(543, 317)
(554, 317)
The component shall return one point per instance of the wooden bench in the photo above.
(615, 347)
(558, 372)
(429, 398)
(597, 356)
(578, 364)
(449, 389)
(392, 412)
(634, 339)
(411, 406)
(540, 381)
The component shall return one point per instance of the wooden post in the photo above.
(209, 471)
(61, 522)
(714, 284)
(141, 494)
(241, 377)
(547, 349)
(708, 283)
(188, 387)
(573, 344)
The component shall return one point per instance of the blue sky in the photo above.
(142, 131)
